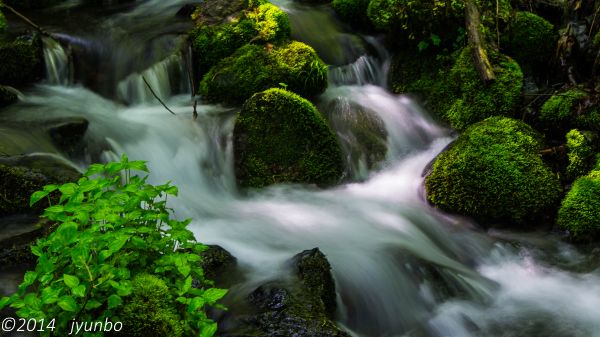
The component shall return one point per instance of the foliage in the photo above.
(418, 19)
(476, 100)
(580, 209)
(111, 226)
(530, 39)
(255, 68)
(580, 152)
(352, 11)
(493, 172)
(212, 43)
(150, 310)
(281, 137)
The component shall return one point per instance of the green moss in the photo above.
(212, 43)
(530, 39)
(18, 183)
(255, 68)
(580, 152)
(493, 173)
(20, 61)
(281, 137)
(352, 11)
(477, 100)
(596, 40)
(150, 310)
(580, 209)
(561, 107)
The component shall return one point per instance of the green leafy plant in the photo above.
(112, 226)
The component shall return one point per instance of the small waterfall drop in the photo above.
(58, 63)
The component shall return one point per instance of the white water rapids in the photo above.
(401, 267)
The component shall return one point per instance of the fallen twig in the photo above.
(156, 96)
(26, 20)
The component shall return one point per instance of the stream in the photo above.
(402, 268)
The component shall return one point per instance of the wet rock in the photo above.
(17, 234)
(21, 176)
(67, 134)
(7, 97)
(216, 262)
(301, 305)
(218, 11)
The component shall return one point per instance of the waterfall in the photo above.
(402, 268)
(58, 63)
(166, 78)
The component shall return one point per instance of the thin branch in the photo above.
(156, 96)
(26, 20)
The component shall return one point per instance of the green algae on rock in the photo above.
(254, 68)
(280, 137)
(493, 172)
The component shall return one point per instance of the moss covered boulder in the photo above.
(150, 310)
(255, 68)
(262, 24)
(475, 100)
(530, 40)
(493, 172)
(581, 151)
(21, 61)
(579, 213)
(281, 137)
(567, 109)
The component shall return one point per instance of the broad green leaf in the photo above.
(214, 294)
(37, 196)
(118, 243)
(70, 280)
(92, 304)
(79, 291)
(67, 303)
(208, 330)
(195, 304)
(29, 278)
(114, 301)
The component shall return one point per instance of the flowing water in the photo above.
(401, 267)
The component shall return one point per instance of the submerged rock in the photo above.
(67, 133)
(280, 137)
(300, 306)
(217, 263)
(17, 234)
(493, 172)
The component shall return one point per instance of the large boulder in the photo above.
(281, 137)
(254, 68)
(301, 305)
(352, 11)
(530, 39)
(579, 213)
(493, 172)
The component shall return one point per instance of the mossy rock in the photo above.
(530, 40)
(580, 210)
(21, 61)
(212, 43)
(21, 176)
(254, 68)
(493, 172)
(352, 11)
(7, 97)
(150, 310)
(280, 137)
(567, 109)
(476, 100)
(581, 152)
